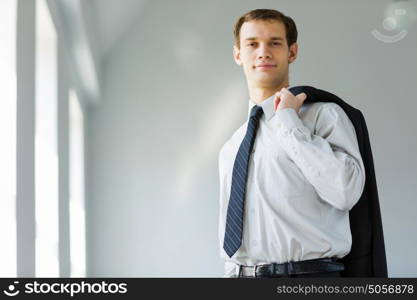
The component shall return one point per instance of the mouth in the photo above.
(265, 66)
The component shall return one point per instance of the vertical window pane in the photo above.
(46, 157)
(8, 10)
(77, 212)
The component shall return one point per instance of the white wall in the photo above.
(172, 96)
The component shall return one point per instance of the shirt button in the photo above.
(254, 243)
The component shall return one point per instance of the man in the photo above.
(291, 173)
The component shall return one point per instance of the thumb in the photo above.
(277, 100)
(302, 96)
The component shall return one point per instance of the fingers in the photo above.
(287, 99)
(286, 91)
(302, 96)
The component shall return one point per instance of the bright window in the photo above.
(46, 157)
(77, 212)
(8, 10)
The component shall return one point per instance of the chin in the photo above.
(266, 80)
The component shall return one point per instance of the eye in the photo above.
(276, 43)
(252, 44)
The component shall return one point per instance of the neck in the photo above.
(259, 94)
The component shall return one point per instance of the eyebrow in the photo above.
(275, 38)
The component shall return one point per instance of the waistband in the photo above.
(311, 266)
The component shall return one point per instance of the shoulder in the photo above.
(323, 111)
(318, 107)
(330, 116)
(236, 137)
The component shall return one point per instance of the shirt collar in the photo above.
(267, 106)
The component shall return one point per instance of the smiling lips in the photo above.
(265, 66)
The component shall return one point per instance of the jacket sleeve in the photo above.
(329, 157)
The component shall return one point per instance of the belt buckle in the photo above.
(255, 267)
(238, 270)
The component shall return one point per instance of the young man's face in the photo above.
(264, 53)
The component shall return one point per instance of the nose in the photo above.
(263, 52)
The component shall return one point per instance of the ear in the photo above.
(236, 55)
(293, 51)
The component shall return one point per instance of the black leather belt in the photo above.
(320, 265)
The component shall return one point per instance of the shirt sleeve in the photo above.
(329, 157)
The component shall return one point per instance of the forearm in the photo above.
(334, 169)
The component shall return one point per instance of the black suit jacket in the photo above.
(367, 256)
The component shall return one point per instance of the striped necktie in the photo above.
(234, 221)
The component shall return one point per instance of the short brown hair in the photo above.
(267, 15)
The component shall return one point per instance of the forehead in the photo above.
(262, 29)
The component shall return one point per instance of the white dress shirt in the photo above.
(305, 174)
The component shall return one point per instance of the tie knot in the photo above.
(256, 112)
